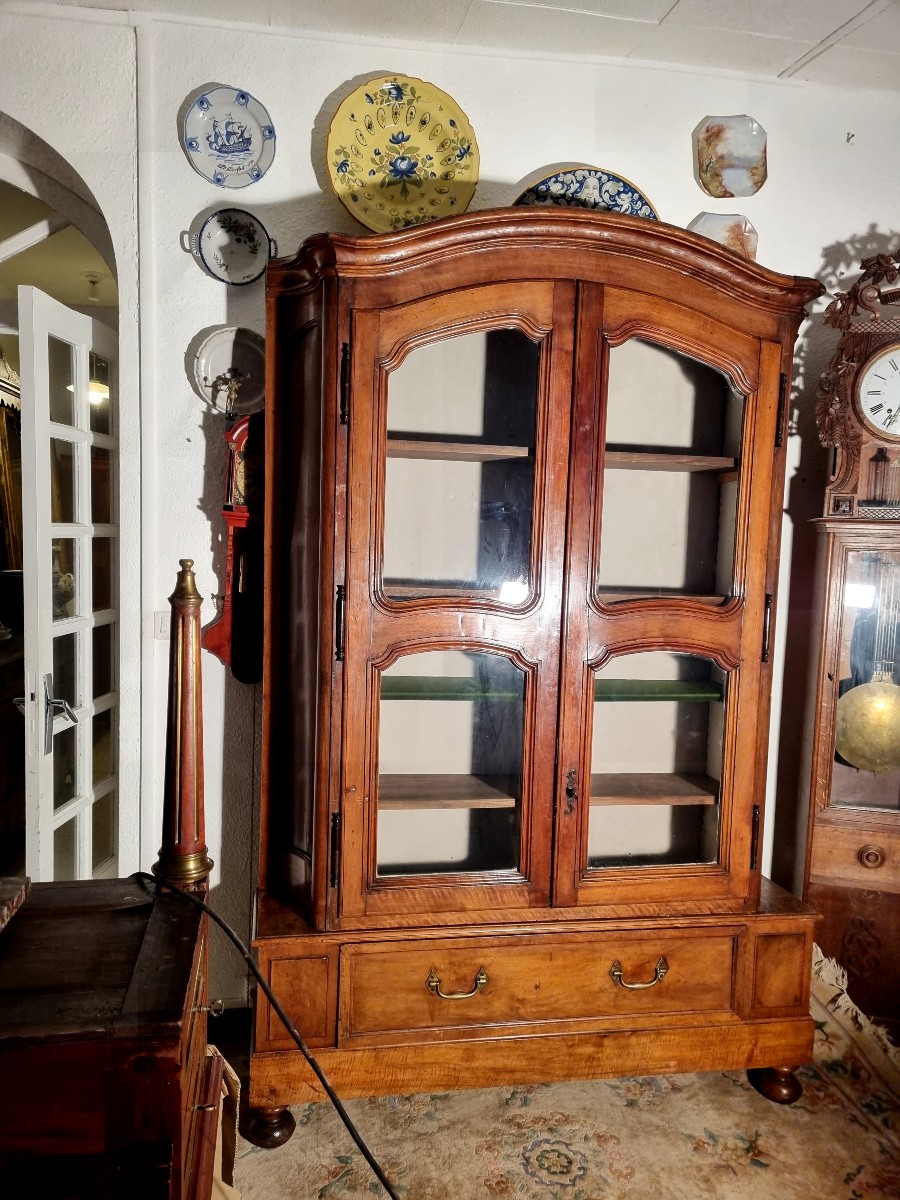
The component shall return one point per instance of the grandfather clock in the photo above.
(853, 847)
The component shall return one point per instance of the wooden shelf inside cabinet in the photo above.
(440, 687)
(461, 451)
(610, 595)
(653, 788)
(657, 689)
(444, 791)
(666, 460)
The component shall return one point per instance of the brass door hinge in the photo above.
(345, 383)
(335, 848)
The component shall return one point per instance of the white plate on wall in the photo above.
(231, 245)
(229, 137)
(232, 360)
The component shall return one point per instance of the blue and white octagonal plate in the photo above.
(229, 137)
(590, 187)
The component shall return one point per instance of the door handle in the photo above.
(19, 702)
(53, 706)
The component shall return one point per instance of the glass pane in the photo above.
(63, 578)
(459, 477)
(64, 852)
(101, 492)
(62, 480)
(102, 640)
(64, 668)
(62, 381)
(450, 762)
(103, 822)
(673, 437)
(656, 760)
(64, 766)
(866, 771)
(99, 394)
(102, 727)
(101, 572)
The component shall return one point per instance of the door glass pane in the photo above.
(673, 438)
(459, 477)
(866, 769)
(101, 495)
(63, 578)
(99, 394)
(101, 572)
(103, 822)
(450, 763)
(62, 480)
(64, 668)
(61, 364)
(64, 852)
(656, 760)
(63, 766)
(101, 638)
(102, 740)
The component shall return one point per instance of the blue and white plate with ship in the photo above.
(229, 137)
(589, 187)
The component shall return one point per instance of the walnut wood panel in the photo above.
(279, 1079)
(860, 929)
(384, 995)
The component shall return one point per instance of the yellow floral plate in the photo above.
(400, 152)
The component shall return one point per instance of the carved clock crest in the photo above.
(858, 401)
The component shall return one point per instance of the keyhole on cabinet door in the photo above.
(571, 792)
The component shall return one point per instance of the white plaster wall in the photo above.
(74, 84)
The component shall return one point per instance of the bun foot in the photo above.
(269, 1128)
(778, 1084)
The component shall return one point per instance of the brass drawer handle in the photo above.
(616, 973)
(433, 984)
(871, 856)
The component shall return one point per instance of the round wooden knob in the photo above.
(871, 856)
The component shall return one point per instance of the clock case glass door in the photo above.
(553, 604)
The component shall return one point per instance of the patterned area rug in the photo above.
(679, 1136)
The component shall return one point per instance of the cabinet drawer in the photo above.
(867, 858)
(528, 980)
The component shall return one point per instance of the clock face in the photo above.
(878, 392)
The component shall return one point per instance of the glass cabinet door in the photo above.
(459, 481)
(670, 471)
(866, 769)
(449, 764)
(656, 761)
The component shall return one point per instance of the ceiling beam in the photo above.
(32, 236)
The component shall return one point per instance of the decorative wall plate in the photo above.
(232, 245)
(229, 137)
(732, 230)
(230, 370)
(730, 155)
(589, 187)
(400, 152)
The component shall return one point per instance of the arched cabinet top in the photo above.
(527, 243)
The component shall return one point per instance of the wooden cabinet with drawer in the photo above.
(524, 476)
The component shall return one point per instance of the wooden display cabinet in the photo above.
(524, 477)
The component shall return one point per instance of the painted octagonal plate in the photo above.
(229, 137)
(589, 187)
(400, 152)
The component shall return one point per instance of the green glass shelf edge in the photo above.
(427, 687)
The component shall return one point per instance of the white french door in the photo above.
(70, 552)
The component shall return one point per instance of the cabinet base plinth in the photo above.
(279, 1078)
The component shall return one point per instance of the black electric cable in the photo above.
(285, 1020)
